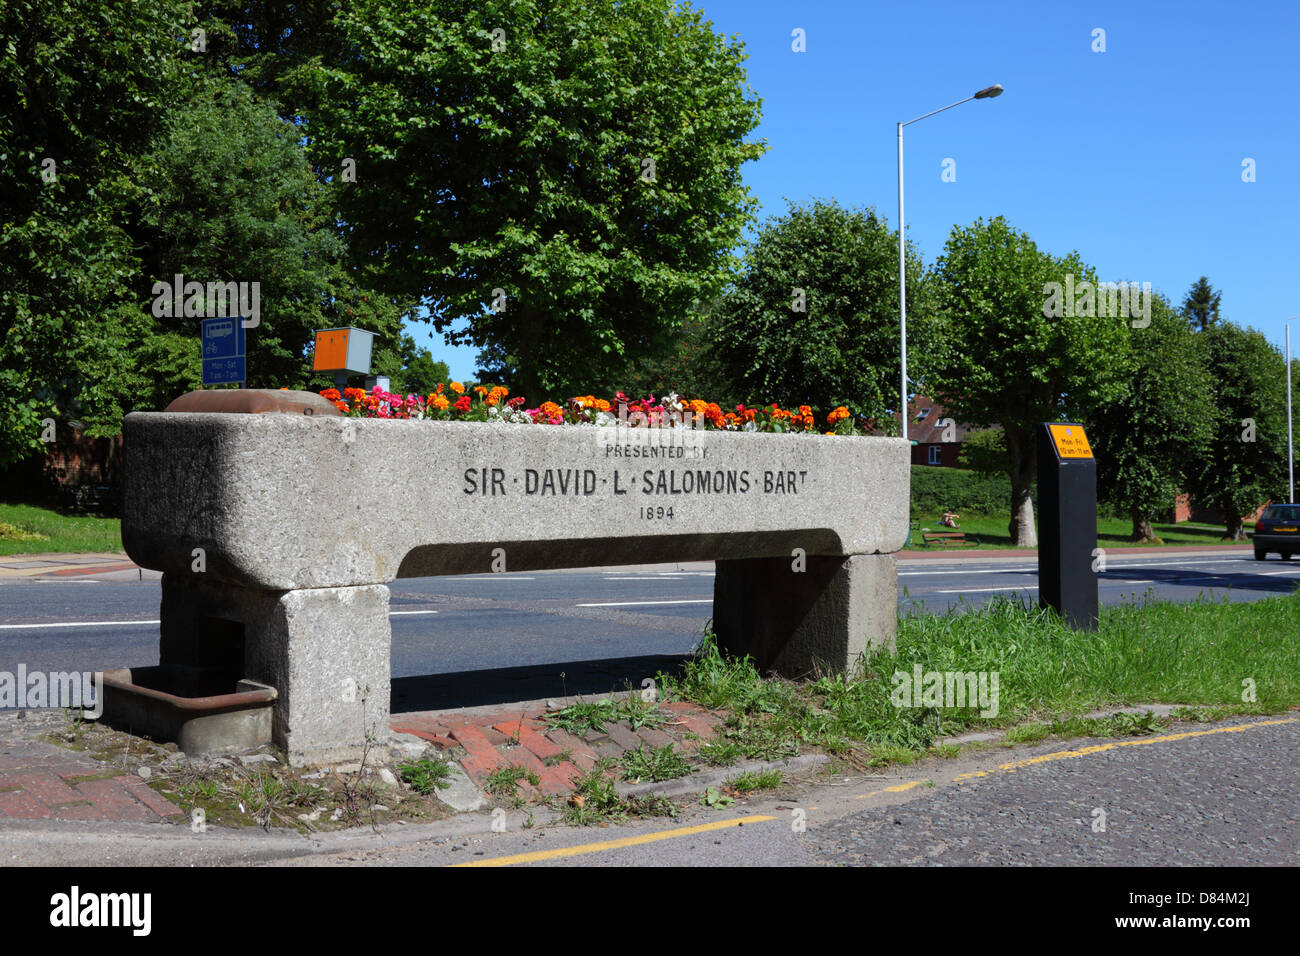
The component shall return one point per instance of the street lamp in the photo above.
(1290, 454)
(985, 94)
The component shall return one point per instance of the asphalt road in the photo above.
(516, 634)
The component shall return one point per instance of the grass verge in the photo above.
(1222, 658)
(40, 529)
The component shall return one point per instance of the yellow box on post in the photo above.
(343, 350)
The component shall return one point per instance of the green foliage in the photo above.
(935, 490)
(426, 776)
(1248, 375)
(692, 366)
(160, 168)
(81, 85)
(843, 350)
(504, 781)
(521, 168)
(237, 201)
(985, 452)
(751, 780)
(1001, 360)
(661, 763)
(1149, 439)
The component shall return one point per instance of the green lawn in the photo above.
(1111, 532)
(61, 532)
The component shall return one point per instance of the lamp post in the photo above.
(1290, 454)
(987, 93)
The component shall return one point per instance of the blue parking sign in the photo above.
(222, 340)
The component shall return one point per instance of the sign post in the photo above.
(224, 358)
(1068, 558)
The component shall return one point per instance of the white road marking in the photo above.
(17, 627)
(1025, 587)
(12, 627)
(640, 603)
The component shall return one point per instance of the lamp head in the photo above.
(989, 92)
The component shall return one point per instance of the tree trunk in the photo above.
(1235, 530)
(1142, 530)
(1024, 465)
(529, 381)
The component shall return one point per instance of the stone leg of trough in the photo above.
(326, 651)
(801, 622)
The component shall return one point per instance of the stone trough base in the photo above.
(326, 650)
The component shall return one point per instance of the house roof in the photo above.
(923, 424)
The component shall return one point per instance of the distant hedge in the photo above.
(934, 489)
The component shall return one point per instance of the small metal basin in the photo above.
(200, 713)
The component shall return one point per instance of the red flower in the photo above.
(462, 403)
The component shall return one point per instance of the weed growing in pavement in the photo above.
(564, 756)
(504, 781)
(750, 781)
(663, 763)
(595, 800)
(425, 776)
(715, 799)
(588, 715)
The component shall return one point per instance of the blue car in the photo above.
(1278, 530)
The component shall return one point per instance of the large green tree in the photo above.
(126, 157)
(236, 200)
(1246, 461)
(580, 156)
(82, 93)
(813, 317)
(1009, 356)
(1149, 439)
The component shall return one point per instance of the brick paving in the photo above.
(44, 782)
(488, 740)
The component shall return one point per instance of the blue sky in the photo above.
(1133, 156)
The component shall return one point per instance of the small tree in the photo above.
(1201, 304)
(1148, 440)
(813, 318)
(1009, 357)
(1245, 463)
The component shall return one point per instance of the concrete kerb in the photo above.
(1160, 710)
(698, 782)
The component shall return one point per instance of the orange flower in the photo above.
(481, 389)
(439, 389)
(341, 406)
(439, 402)
(458, 388)
(698, 406)
(602, 405)
(551, 410)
